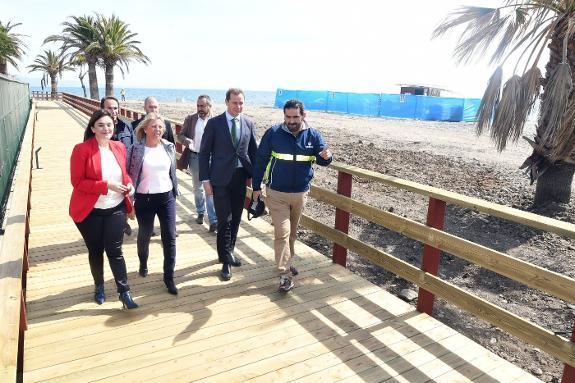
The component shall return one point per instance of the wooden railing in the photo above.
(37, 95)
(14, 263)
(435, 240)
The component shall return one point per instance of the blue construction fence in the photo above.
(384, 105)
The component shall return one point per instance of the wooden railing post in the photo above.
(430, 261)
(23, 328)
(568, 371)
(342, 217)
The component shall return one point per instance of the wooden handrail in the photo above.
(13, 261)
(46, 95)
(527, 273)
(515, 215)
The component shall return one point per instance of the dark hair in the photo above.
(206, 97)
(88, 133)
(109, 98)
(294, 104)
(235, 91)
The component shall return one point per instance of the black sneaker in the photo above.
(200, 219)
(213, 227)
(286, 284)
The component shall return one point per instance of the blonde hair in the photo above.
(140, 130)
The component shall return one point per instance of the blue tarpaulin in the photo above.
(384, 105)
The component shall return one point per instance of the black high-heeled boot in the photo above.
(172, 289)
(99, 296)
(127, 301)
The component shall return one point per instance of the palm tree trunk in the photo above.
(54, 86)
(3, 67)
(81, 77)
(110, 79)
(93, 80)
(554, 185)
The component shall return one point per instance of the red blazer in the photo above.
(86, 177)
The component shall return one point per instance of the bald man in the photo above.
(151, 106)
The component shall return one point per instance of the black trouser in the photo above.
(229, 204)
(164, 206)
(103, 229)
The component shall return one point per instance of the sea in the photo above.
(253, 97)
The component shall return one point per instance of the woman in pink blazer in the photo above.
(100, 202)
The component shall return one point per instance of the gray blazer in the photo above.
(219, 157)
(136, 159)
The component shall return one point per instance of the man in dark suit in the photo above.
(227, 154)
(151, 106)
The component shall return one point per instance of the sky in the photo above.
(350, 46)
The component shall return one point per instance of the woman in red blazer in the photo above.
(99, 202)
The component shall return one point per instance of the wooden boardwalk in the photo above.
(334, 326)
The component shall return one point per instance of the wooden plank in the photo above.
(555, 345)
(101, 364)
(258, 361)
(527, 273)
(158, 303)
(11, 256)
(515, 215)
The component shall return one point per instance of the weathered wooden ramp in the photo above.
(334, 326)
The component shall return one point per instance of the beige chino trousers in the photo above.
(285, 210)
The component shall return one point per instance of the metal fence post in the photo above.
(344, 181)
(430, 261)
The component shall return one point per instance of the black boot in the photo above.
(127, 301)
(99, 296)
(172, 289)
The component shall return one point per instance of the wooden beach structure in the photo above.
(334, 326)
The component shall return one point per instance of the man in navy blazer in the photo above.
(227, 154)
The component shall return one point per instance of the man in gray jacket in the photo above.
(191, 137)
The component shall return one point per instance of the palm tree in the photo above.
(52, 64)
(80, 38)
(11, 46)
(520, 30)
(117, 48)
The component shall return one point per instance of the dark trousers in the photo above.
(164, 206)
(229, 204)
(103, 230)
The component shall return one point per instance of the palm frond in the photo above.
(463, 15)
(502, 129)
(565, 137)
(489, 101)
(530, 90)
